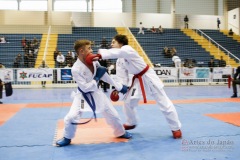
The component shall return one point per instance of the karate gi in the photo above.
(84, 78)
(129, 62)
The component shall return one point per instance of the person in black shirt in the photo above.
(235, 81)
(222, 62)
(218, 23)
(186, 22)
(230, 33)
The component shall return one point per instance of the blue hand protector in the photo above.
(100, 72)
(124, 89)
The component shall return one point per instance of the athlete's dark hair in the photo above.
(122, 39)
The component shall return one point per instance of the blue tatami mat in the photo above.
(29, 134)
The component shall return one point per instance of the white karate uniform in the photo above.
(177, 61)
(129, 62)
(84, 78)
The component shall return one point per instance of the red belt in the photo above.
(139, 76)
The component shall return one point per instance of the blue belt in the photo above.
(92, 106)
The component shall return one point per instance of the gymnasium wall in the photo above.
(170, 14)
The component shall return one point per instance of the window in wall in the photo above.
(72, 5)
(107, 5)
(86, 5)
(33, 5)
(8, 5)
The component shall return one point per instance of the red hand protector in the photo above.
(92, 57)
(114, 96)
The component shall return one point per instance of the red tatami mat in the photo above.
(90, 133)
(232, 118)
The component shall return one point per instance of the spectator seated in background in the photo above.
(104, 44)
(35, 45)
(173, 51)
(221, 62)
(153, 29)
(69, 58)
(60, 60)
(167, 52)
(31, 60)
(160, 29)
(230, 33)
(112, 68)
(24, 43)
(2, 66)
(17, 61)
(3, 39)
(16, 64)
(68, 65)
(55, 54)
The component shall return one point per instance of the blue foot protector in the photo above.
(63, 142)
(126, 135)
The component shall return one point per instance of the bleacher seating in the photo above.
(94, 34)
(227, 42)
(9, 50)
(153, 44)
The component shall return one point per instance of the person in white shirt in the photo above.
(177, 61)
(60, 60)
(141, 31)
(3, 39)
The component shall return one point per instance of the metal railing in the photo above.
(211, 41)
(46, 45)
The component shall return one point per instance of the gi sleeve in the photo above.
(114, 53)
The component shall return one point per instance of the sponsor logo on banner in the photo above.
(166, 72)
(66, 74)
(220, 72)
(202, 73)
(6, 74)
(42, 74)
(187, 73)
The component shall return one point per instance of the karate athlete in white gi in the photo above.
(87, 77)
(145, 81)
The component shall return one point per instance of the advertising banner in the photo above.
(32, 74)
(187, 73)
(194, 73)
